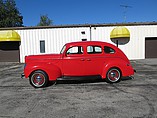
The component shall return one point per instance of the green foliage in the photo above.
(9, 14)
(45, 21)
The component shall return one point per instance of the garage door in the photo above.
(9, 51)
(151, 47)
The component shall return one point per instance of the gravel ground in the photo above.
(131, 98)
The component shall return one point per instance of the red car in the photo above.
(78, 59)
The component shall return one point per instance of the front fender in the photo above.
(52, 70)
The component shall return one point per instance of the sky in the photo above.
(69, 12)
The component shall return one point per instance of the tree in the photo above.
(45, 21)
(9, 14)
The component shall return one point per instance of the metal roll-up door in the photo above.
(9, 52)
(9, 46)
(151, 47)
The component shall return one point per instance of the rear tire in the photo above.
(113, 75)
(38, 79)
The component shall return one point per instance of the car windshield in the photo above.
(62, 50)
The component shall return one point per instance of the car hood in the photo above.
(42, 58)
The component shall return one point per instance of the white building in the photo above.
(50, 39)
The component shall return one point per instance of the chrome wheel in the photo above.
(38, 79)
(113, 75)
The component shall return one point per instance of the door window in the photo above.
(94, 49)
(75, 50)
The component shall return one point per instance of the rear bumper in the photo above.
(22, 75)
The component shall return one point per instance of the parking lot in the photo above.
(131, 98)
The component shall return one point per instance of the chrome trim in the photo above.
(22, 75)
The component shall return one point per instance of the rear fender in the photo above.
(50, 69)
(120, 65)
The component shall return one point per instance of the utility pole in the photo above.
(125, 10)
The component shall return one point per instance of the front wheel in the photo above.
(113, 75)
(38, 79)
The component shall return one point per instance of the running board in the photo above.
(95, 77)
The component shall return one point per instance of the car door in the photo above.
(94, 60)
(74, 62)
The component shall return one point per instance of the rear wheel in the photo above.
(38, 79)
(113, 75)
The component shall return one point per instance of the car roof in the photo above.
(89, 43)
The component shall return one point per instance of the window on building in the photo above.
(42, 46)
(94, 49)
(109, 50)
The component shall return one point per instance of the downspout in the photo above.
(90, 32)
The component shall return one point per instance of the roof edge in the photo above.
(82, 25)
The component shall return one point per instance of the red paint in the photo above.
(82, 64)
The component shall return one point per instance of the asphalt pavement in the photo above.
(131, 98)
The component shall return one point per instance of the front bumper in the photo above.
(22, 75)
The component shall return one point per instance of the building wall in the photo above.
(55, 38)
(135, 48)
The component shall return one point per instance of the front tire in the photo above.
(113, 75)
(38, 79)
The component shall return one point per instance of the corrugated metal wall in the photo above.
(135, 48)
(55, 38)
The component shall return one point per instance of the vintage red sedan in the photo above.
(78, 59)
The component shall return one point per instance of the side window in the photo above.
(42, 46)
(109, 50)
(94, 49)
(75, 50)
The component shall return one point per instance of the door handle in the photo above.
(88, 59)
(82, 59)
